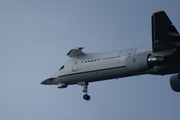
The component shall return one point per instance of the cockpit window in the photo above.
(62, 67)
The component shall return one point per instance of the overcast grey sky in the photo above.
(35, 36)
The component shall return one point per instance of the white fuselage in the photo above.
(99, 66)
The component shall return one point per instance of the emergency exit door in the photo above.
(75, 65)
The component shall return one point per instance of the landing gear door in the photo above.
(75, 65)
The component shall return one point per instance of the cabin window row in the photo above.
(100, 60)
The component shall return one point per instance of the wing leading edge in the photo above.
(164, 34)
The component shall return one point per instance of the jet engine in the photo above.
(142, 62)
(175, 83)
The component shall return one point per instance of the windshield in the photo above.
(62, 67)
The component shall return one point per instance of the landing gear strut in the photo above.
(85, 90)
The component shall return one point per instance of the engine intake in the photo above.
(175, 83)
(142, 62)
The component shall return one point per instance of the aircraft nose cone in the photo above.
(44, 82)
(47, 81)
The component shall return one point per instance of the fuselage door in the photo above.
(75, 65)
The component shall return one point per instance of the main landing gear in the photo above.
(85, 90)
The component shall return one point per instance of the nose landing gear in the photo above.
(85, 90)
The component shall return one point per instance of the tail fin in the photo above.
(164, 34)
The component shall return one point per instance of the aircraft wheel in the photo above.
(179, 75)
(86, 97)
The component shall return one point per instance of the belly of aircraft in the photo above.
(98, 75)
(112, 73)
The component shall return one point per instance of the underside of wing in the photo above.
(75, 52)
(164, 34)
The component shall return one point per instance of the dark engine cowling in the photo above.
(140, 63)
(175, 83)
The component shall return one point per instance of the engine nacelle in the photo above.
(175, 83)
(140, 63)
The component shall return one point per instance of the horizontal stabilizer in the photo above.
(164, 33)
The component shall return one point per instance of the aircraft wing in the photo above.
(75, 52)
(164, 34)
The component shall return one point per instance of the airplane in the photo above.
(162, 58)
